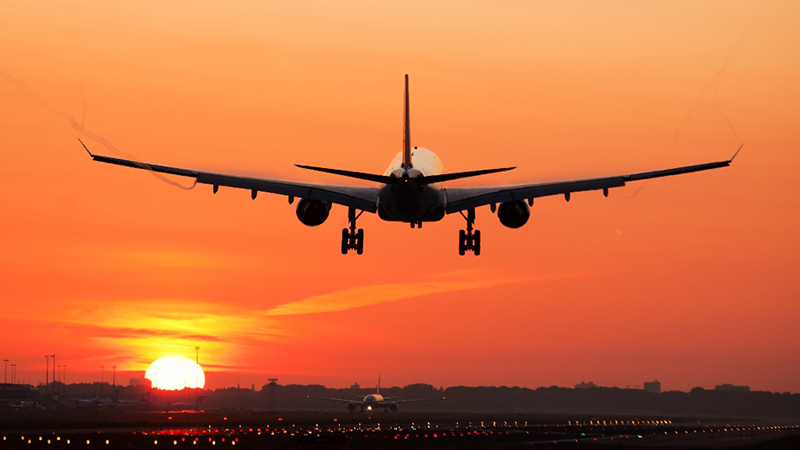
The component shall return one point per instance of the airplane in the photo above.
(187, 406)
(21, 405)
(100, 401)
(410, 191)
(375, 401)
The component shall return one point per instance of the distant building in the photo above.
(732, 388)
(136, 382)
(652, 386)
(585, 385)
(355, 386)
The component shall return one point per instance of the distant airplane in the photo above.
(146, 403)
(20, 405)
(410, 191)
(100, 401)
(374, 401)
(186, 406)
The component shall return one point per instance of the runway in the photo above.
(251, 430)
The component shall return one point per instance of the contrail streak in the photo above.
(28, 93)
(635, 193)
(720, 71)
(725, 118)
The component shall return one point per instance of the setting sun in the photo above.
(175, 372)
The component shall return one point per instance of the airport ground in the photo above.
(325, 430)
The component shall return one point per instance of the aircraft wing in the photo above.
(341, 400)
(362, 198)
(415, 400)
(459, 199)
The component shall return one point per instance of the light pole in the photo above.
(13, 374)
(46, 373)
(54, 373)
(64, 378)
(5, 373)
(114, 375)
(102, 373)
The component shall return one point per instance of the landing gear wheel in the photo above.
(352, 239)
(360, 241)
(467, 239)
(345, 241)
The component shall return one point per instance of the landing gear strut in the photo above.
(352, 239)
(467, 239)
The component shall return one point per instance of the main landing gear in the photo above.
(467, 239)
(352, 239)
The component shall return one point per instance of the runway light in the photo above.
(88, 442)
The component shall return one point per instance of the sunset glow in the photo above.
(690, 280)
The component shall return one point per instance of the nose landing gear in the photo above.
(467, 239)
(352, 239)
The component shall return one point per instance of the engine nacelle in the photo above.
(351, 407)
(393, 407)
(513, 214)
(312, 212)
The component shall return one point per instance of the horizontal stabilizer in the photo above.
(349, 173)
(423, 180)
(456, 175)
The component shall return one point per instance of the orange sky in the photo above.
(690, 280)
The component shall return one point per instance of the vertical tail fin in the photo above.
(378, 389)
(406, 132)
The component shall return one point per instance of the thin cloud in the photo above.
(151, 328)
(91, 330)
(372, 295)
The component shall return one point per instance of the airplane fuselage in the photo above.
(408, 201)
(373, 401)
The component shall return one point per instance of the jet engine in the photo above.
(351, 407)
(513, 214)
(393, 407)
(312, 212)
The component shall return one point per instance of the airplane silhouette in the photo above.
(375, 401)
(409, 191)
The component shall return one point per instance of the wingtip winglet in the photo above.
(85, 148)
(737, 152)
